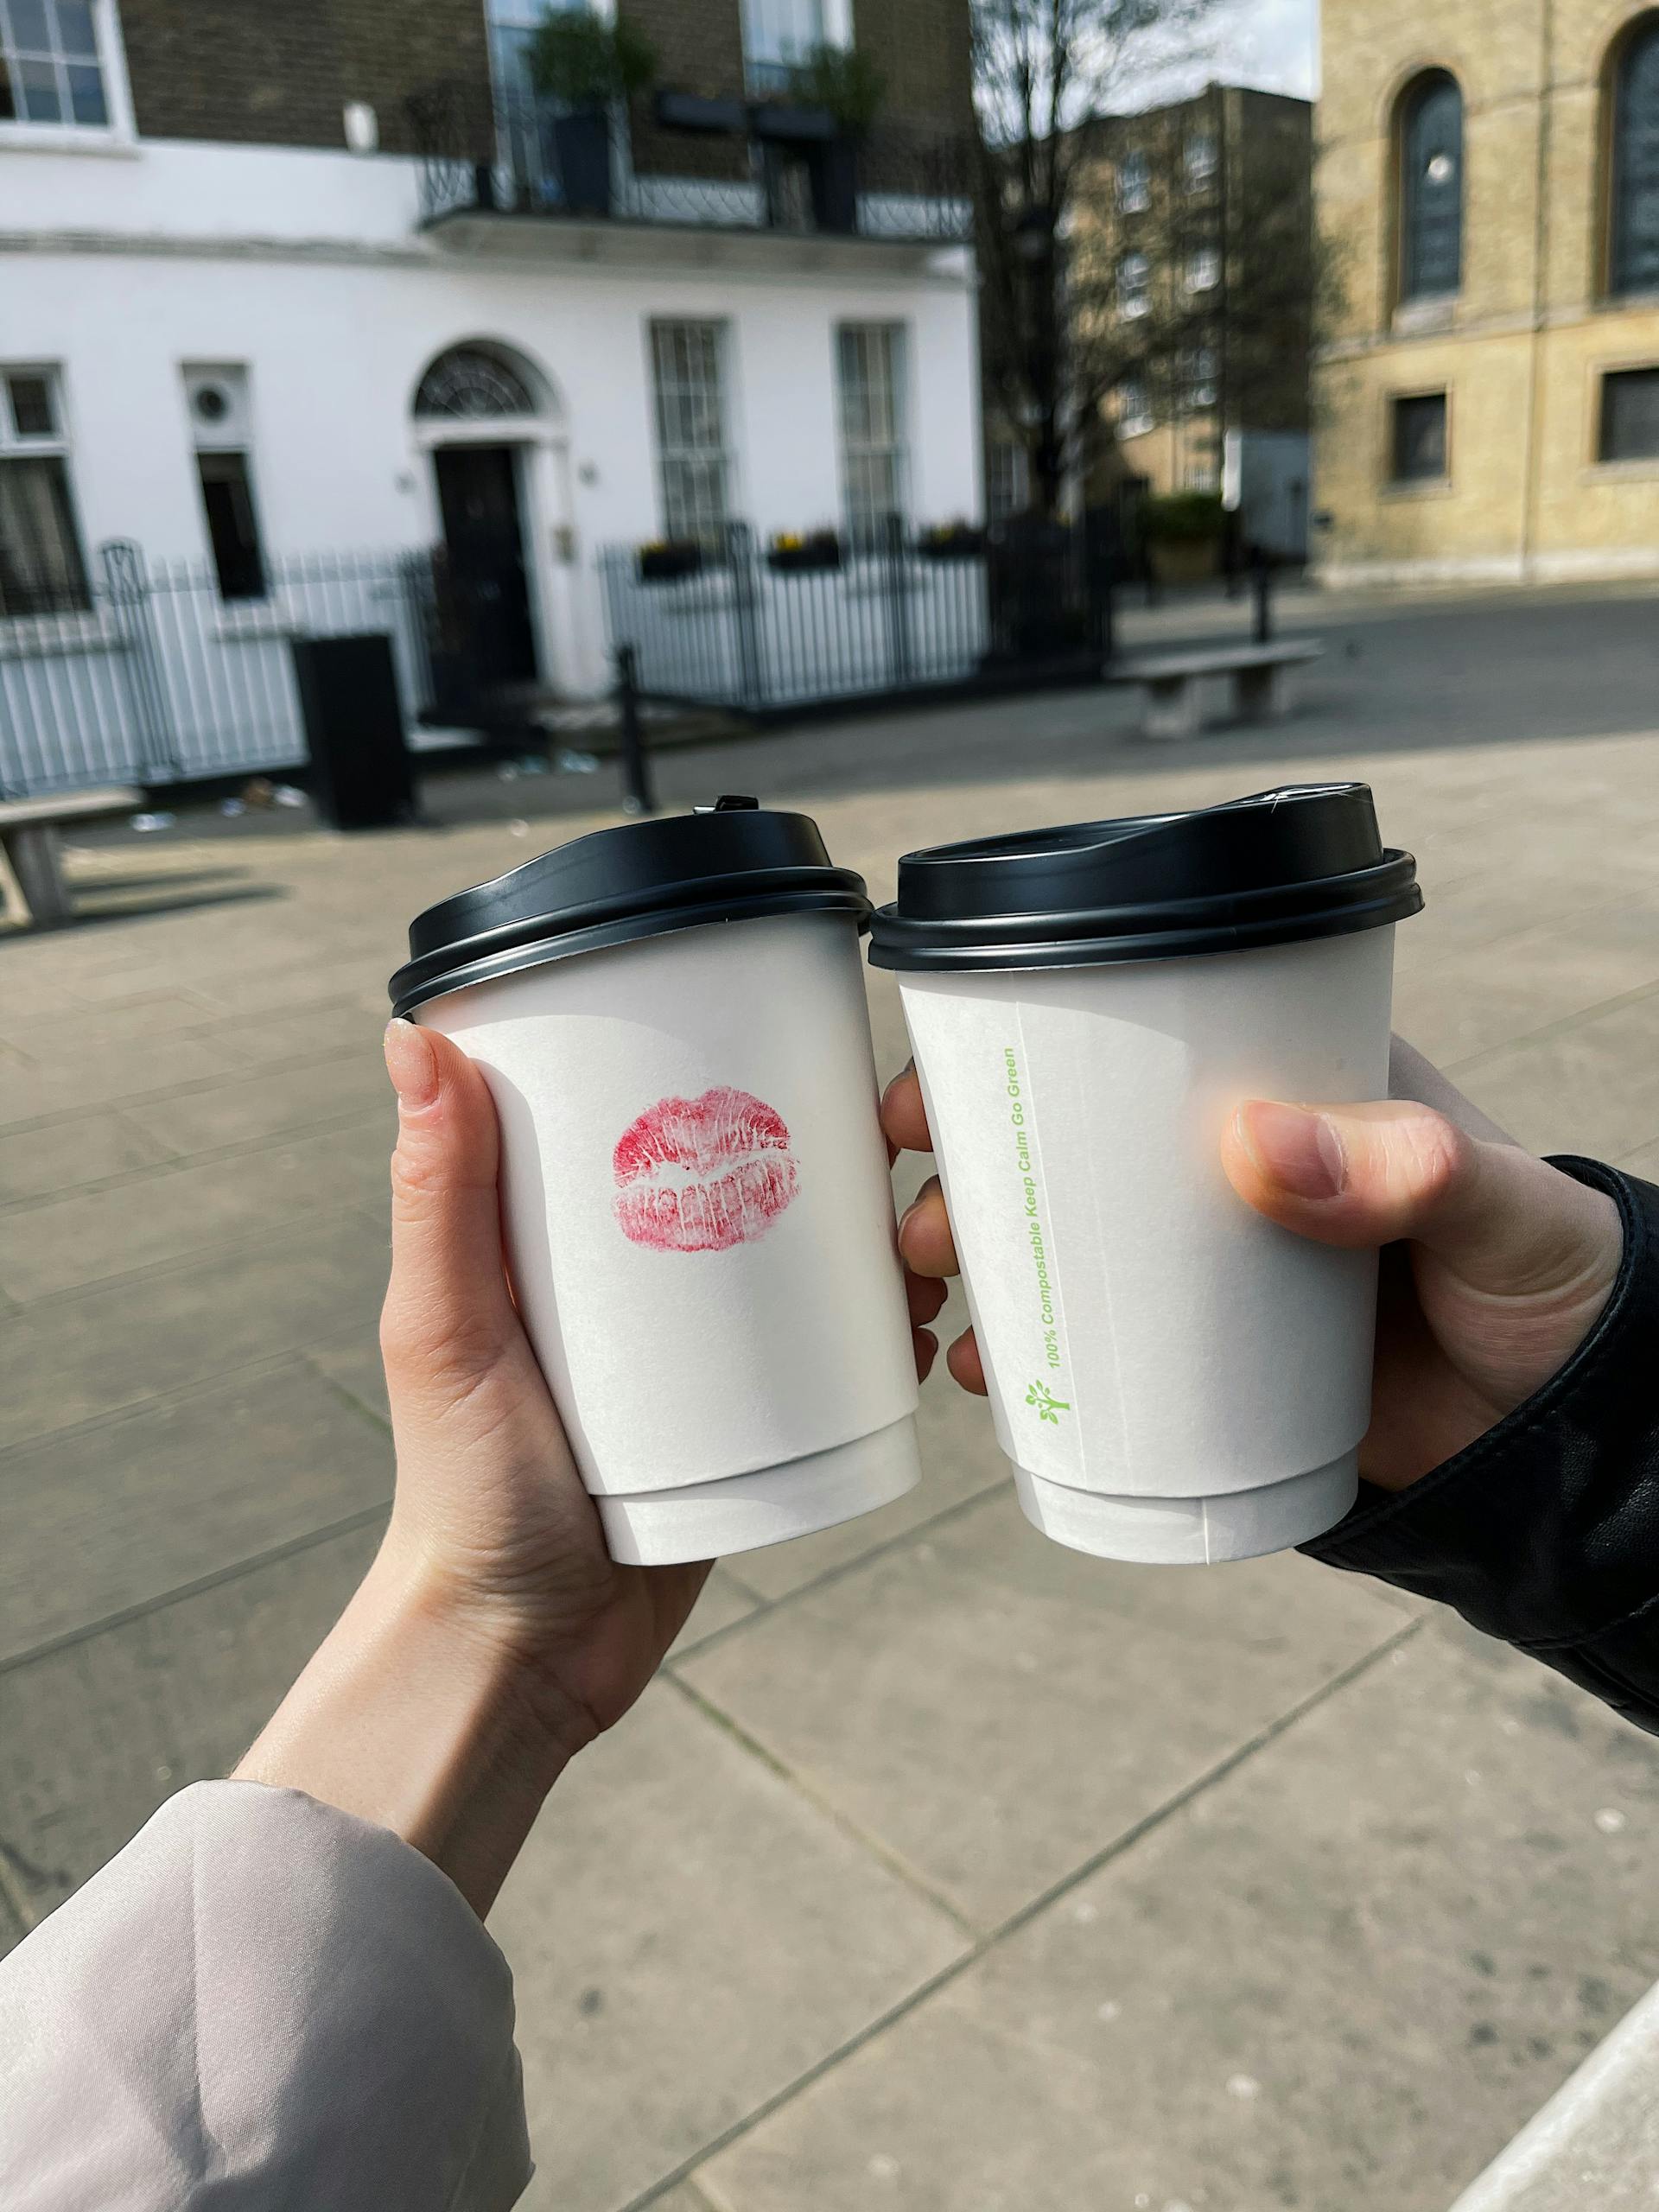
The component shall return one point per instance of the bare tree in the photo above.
(1226, 266)
(1043, 71)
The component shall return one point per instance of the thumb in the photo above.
(1505, 1222)
(447, 1313)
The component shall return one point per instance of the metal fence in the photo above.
(741, 625)
(156, 678)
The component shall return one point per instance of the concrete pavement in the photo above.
(942, 1868)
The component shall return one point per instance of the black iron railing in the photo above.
(738, 625)
(517, 155)
(156, 678)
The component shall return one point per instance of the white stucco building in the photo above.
(233, 352)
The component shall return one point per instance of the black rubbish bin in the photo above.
(362, 776)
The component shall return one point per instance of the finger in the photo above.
(925, 1243)
(448, 1305)
(903, 1115)
(925, 1294)
(964, 1361)
(926, 1347)
(1363, 1175)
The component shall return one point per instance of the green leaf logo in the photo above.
(1048, 1406)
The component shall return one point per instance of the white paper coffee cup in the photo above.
(1175, 1378)
(695, 1191)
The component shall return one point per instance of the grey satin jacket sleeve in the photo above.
(264, 2004)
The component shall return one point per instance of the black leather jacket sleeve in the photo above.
(1545, 1531)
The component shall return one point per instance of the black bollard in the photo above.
(1262, 586)
(637, 797)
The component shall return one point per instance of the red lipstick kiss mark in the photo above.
(702, 1174)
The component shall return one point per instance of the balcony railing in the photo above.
(520, 156)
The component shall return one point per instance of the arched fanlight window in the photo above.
(1431, 188)
(473, 384)
(1633, 259)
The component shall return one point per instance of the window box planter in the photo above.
(727, 118)
(951, 541)
(802, 557)
(581, 147)
(666, 564)
(791, 124)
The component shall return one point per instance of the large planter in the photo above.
(1184, 560)
(582, 145)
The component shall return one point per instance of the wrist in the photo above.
(417, 1714)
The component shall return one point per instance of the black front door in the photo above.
(478, 493)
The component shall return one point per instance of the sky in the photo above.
(1271, 43)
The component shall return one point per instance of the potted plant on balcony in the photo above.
(799, 553)
(843, 84)
(665, 560)
(588, 65)
(1183, 532)
(960, 540)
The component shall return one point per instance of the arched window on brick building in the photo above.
(1431, 186)
(1633, 207)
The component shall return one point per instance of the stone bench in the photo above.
(1261, 676)
(29, 838)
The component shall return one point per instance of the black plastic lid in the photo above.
(1303, 862)
(730, 862)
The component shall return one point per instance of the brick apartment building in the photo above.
(1489, 398)
(287, 280)
(1185, 210)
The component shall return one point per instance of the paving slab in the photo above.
(1589, 1085)
(1331, 1981)
(1497, 995)
(61, 1154)
(45, 1037)
(262, 1039)
(695, 1936)
(172, 1697)
(352, 1364)
(271, 1103)
(122, 1344)
(179, 1208)
(93, 1075)
(129, 1510)
(723, 1601)
(977, 1700)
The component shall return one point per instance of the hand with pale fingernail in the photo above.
(1494, 1264)
(493, 1637)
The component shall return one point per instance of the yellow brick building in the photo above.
(1487, 396)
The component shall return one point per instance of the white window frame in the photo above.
(1198, 371)
(40, 445)
(1200, 159)
(1203, 269)
(1134, 182)
(765, 71)
(1008, 480)
(666, 454)
(1134, 293)
(117, 136)
(1134, 415)
(897, 447)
